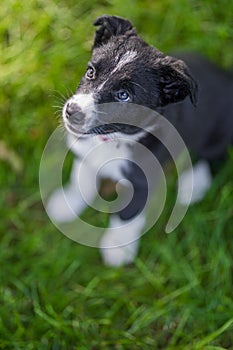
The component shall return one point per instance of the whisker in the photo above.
(57, 94)
(57, 106)
(63, 129)
(58, 112)
(64, 97)
(58, 118)
(69, 92)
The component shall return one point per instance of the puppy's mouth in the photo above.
(105, 130)
(113, 128)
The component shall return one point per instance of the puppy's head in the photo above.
(124, 69)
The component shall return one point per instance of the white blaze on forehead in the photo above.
(128, 57)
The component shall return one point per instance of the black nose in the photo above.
(74, 110)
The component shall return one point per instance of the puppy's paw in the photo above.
(201, 176)
(119, 244)
(119, 256)
(64, 205)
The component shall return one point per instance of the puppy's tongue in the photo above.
(103, 138)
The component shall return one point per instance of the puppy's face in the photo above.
(124, 69)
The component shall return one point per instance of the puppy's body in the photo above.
(125, 69)
(207, 129)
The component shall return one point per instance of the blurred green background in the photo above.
(56, 294)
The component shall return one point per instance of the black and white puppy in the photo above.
(125, 69)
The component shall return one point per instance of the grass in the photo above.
(56, 294)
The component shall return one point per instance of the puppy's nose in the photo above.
(74, 110)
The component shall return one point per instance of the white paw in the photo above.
(120, 256)
(65, 205)
(198, 187)
(119, 244)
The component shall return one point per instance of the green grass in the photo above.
(56, 294)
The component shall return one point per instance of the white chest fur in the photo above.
(108, 158)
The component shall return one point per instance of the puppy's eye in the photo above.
(123, 96)
(90, 73)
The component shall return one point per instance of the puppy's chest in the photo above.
(107, 159)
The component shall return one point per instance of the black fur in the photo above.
(156, 80)
(161, 79)
(165, 84)
(111, 26)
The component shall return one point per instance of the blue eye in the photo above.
(90, 73)
(123, 96)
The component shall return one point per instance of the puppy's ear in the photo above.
(175, 81)
(111, 26)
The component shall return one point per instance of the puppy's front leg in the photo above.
(119, 244)
(66, 203)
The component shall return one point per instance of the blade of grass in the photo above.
(213, 335)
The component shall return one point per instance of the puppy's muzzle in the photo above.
(74, 112)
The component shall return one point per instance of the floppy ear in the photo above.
(111, 26)
(175, 81)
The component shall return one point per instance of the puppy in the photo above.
(125, 70)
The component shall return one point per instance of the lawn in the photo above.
(55, 293)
